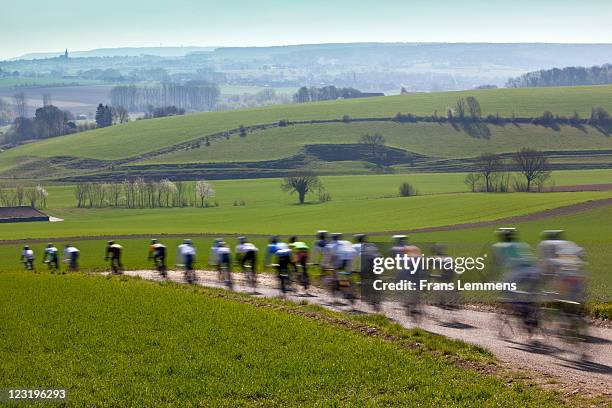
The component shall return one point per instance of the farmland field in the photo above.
(107, 340)
(138, 137)
(429, 139)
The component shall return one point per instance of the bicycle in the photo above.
(226, 274)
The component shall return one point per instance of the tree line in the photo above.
(568, 76)
(17, 196)
(193, 95)
(141, 193)
(328, 93)
(492, 174)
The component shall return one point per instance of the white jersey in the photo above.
(186, 249)
(28, 254)
(344, 251)
(69, 251)
(51, 251)
(246, 247)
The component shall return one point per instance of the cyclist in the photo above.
(113, 253)
(27, 258)
(367, 252)
(71, 256)
(319, 252)
(187, 255)
(246, 256)
(213, 259)
(412, 301)
(51, 257)
(282, 252)
(300, 253)
(517, 264)
(341, 255)
(563, 263)
(157, 253)
(224, 258)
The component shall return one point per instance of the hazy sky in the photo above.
(52, 25)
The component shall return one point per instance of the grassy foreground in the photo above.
(124, 342)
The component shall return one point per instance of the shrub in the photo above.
(324, 195)
(407, 190)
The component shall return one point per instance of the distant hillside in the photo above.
(169, 145)
(516, 55)
(568, 76)
(120, 52)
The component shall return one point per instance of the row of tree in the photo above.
(193, 95)
(328, 93)
(491, 173)
(17, 196)
(569, 76)
(48, 121)
(140, 193)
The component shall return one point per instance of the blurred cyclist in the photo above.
(300, 260)
(157, 253)
(563, 263)
(27, 258)
(187, 255)
(224, 259)
(366, 253)
(113, 253)
(246, 256)
(51, 257)
(341, 255)
(282, 253)
(213, 259)
(71, 256)
(517, 263)
(319, 252)
(412, 300)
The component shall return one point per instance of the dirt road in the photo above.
(548, 357)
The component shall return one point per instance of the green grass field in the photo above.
(138, 137)
(129, 342)
(342, 188)
(428, 139)
(383, 214)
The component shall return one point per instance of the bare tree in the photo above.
(472, 180)
(47, 99)
(488, 165)
(302, 183)
(121, 114)
(533, 165)
(375, 144)
(460, 108)
(473, 107)
(21, 105)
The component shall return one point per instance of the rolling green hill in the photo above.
(428, 139)
(125, 145)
